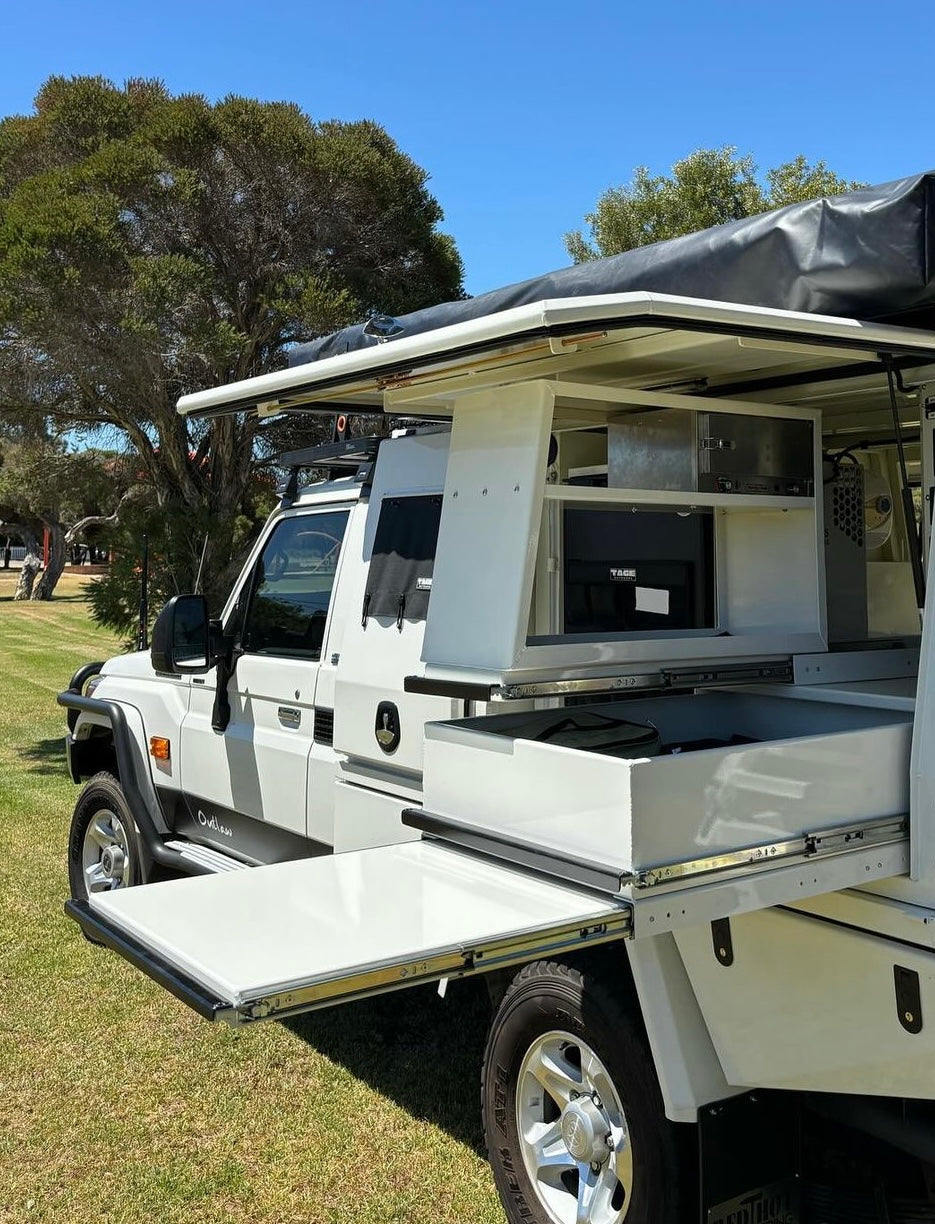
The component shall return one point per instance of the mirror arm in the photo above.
(221, 653)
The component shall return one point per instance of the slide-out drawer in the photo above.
(783, 769)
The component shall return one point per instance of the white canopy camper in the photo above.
(609, 661)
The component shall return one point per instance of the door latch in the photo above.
(387, 728)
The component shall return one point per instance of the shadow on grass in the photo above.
(421, 1051)
(71, 598)
(46, 756)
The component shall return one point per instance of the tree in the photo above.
(709, 187)
(44, 488)
(153, 244)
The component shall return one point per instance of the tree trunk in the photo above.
(27, 576)
(53, 571)
(31, 563)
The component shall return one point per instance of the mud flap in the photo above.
(750, 1160)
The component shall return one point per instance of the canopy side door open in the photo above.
(293, 936)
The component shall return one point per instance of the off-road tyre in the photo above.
(546, 1000)
(103, 804)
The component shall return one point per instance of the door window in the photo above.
(292, 585)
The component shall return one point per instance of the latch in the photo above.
(908, 998)
(387, 727)
(717, 444)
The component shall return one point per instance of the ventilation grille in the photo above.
(324, 726)
(847, 502)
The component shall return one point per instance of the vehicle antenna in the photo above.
(142, 637)
(201, 565)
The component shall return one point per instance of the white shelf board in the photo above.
(671, 497)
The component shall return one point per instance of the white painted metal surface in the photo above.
(689, 1070)
(246, 935)
(808, 1004)
(259, 766)
(815, 766)
(374, 658)
(489, 528)
(154, 705)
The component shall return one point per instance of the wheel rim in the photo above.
(573, 1132)
(106, 862)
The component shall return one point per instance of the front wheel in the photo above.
(105, 850)
(575, 1126)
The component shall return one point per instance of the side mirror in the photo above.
(181, 639)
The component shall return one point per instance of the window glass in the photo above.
(292, 586)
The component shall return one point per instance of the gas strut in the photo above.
(909, 510)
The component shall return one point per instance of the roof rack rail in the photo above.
(356, 453)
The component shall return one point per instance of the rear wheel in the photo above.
(575, 1126)
(105, 850)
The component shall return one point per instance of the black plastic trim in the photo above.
(178, 984)
(76, 685)
(86, 757)
(512, 850)
(135, 781)
(461, 690)
(323, 726)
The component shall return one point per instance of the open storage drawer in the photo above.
(739, 779)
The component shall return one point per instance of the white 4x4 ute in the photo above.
(605, 684)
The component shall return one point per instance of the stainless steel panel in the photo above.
(711, 452)
(653, 450)
(745, 454)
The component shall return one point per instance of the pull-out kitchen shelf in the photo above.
(262, 944)
(799, 798)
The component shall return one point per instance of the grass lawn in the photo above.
(118, 1104)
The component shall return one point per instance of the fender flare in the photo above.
(135, 778)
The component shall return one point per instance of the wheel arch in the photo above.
(127, 738)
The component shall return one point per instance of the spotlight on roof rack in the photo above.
(383, 327)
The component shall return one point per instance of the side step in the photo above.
(211, 861)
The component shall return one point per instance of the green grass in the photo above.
(117, 1104)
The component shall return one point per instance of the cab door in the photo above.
(256, 770)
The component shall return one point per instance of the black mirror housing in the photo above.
(182, 643)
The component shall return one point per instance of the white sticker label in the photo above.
(652, 599)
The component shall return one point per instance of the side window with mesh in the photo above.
(292, 586)
(399, 581)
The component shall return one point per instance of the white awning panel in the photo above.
(644, 339)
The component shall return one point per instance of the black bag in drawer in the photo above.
(591, 732)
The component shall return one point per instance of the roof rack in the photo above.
(353, 453)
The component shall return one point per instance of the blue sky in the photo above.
(524, 112)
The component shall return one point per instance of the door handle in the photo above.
(289, 717)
